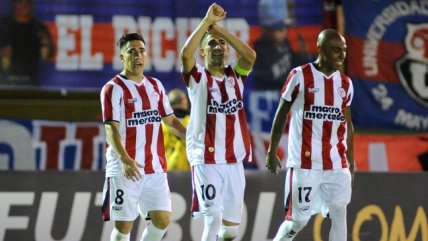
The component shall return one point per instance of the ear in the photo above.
(319, 49)
(201, 50)
(226, 50)
(121, 58)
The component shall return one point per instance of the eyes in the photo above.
(213, 42)
(337, 50)
(133, 51)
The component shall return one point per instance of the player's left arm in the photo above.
(350, 140)
(177, 127)
(247, 54)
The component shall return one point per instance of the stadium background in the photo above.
(56, 126)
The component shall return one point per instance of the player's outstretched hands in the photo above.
(215, 13)
(273, 164)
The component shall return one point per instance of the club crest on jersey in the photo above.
(230, 82)
(341, 91)
(132, 100)
(412, 68)
(156, 96)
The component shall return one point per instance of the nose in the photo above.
(342, 54)
(217, 46)
(137, 55)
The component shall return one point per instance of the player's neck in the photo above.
(322, 68)
(133, 77)
(217, 71)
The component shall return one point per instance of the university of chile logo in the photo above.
(412, 68)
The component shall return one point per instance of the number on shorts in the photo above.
(119, 197)
(208, 193)
(307, 190)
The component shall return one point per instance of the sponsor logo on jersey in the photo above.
(313, 90)
(412, 68)
(304, 208)
(324, 112)
(144, 117)
(215, 92)
(156, 96)
(290, 234)
(117, 208)
(132, 100)
(229, 107)
(208, 204)
(230, 81)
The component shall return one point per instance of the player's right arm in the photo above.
(350, 141)
(215, 13)
(130, 166)
(273, 163)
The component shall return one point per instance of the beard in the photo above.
(217, 60)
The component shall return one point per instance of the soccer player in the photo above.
(133, 106)
(320, 150)
(218, 140)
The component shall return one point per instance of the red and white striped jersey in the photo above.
(317, 135)
(217, 131)
(138, 108)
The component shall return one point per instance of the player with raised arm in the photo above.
(218, 140)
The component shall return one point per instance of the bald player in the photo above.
(320, 163)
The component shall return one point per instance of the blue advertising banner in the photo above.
(85, 33)
(387, 49)
(388, 63)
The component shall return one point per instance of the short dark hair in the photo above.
(129, 37)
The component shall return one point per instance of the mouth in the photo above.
(338, 64)
(217, 53)
(138, 65)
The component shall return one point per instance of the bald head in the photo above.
(178, 99)
(326, 35)
(331, 46)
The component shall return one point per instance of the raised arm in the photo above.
(247, 56)
(214, 14)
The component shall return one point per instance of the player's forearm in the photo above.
(350, 136)
(350, 148)
(278, 127)
(192, 44)
(242, 48)
(177, 127)
(275, 137)
(114, 139)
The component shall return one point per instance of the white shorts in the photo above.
(124, 199)
(308, 192)
(218, 186)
